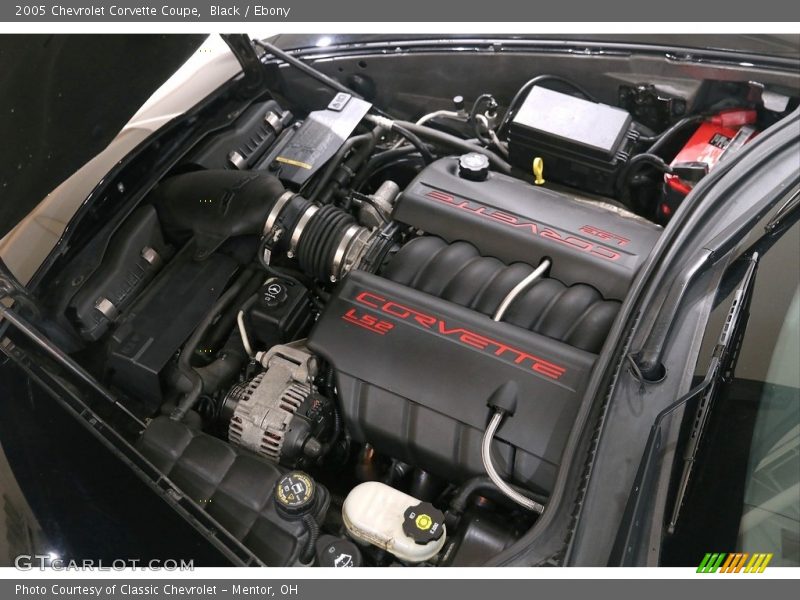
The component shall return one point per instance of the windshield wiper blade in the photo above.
(784, 211)
(722, 364)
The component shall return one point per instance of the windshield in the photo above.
(745, 492)
(771, 505)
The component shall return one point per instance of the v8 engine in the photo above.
(420, 348)
(363, 340)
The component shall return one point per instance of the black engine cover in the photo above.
(414, 373)
(511, 220)
(577, 315)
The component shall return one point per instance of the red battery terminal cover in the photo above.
(712, 139)
(735, 117)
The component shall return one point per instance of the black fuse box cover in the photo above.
(123, 273)
(242, 145)
(583, 144)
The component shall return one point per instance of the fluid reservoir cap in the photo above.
(295, 494)
(423, 523)
(338, 553)
(274, 293)
(378, 514)
(473, 166)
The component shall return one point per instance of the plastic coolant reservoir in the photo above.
(408, 528)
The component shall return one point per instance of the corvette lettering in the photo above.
(447, 329)
(530, 227)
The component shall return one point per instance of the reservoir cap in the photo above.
(295, 494)
(423, 523)
(338, 553)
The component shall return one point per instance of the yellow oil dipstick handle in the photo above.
(538, 170)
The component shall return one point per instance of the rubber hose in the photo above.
(347, 170)
(222, 328)
(219, 371)
(336, 161)
(415, 141)
(222, 370)
(337, 430)
(446, 139)
(184, 362)
(635, 164)
(377, 162)
(660, 140)
(313, 534)
(482, 483)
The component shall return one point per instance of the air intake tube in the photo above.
(215, 205)
(326, 241)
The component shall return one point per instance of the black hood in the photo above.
(63, 98)
(778, 45)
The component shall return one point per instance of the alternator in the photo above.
(279, 414)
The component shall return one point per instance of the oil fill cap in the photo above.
(423, 523)
(295, 494)
(473, 166)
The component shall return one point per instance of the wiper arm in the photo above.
(722, 363)
(784, 211)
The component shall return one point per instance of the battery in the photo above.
(713, 141)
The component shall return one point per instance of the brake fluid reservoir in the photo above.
(408, 528)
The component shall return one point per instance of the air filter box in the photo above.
(583, 144)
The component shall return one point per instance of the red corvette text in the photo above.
(509, 220)
(396, 311)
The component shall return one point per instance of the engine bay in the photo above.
(359, 340)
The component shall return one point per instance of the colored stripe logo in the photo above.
(737, 562)
(293, 162)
